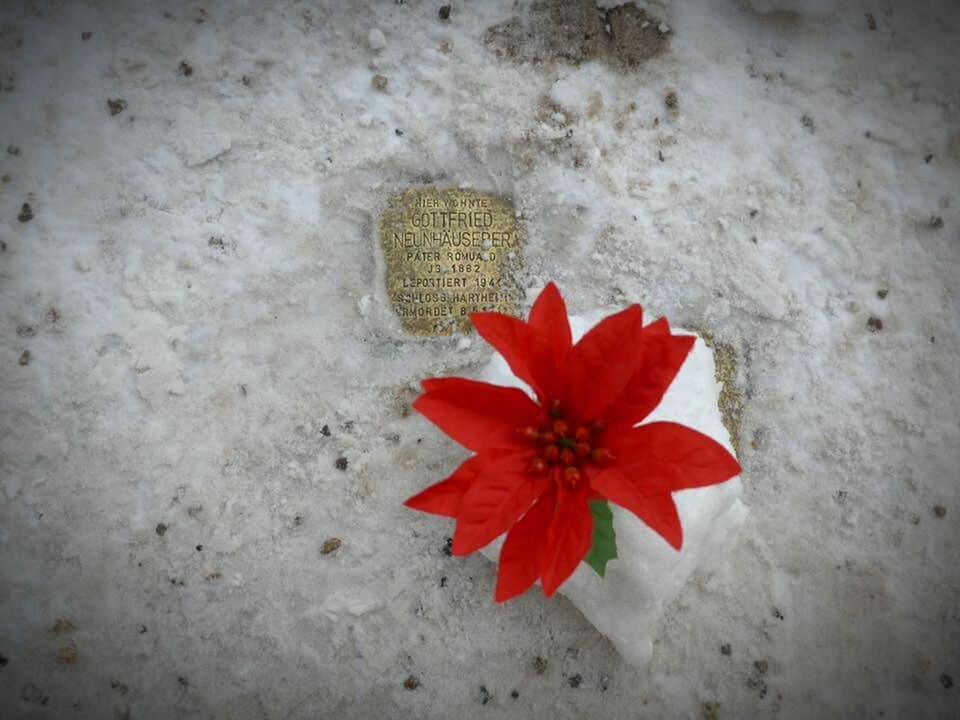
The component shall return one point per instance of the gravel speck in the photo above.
(330, 545)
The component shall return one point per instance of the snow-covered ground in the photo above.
(202, 380)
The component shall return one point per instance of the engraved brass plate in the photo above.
(449, 253)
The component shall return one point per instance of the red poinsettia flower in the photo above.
(537, 464)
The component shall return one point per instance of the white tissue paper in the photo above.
(626, 604)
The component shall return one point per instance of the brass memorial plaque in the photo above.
(449, 253)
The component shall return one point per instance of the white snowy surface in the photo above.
(200, 295)
(626, 604)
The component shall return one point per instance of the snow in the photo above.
(376, 39)
(221, 231)
(627, 603)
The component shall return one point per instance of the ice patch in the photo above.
(648, 574)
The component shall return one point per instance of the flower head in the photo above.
(539, 462)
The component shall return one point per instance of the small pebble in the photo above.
(341, 463)
(379, 82)
(86, 35)
(444, 12)
(116, 106)
(874, 324)
(725, 649)
(936, 222)
(376, 39)
(664, 28)
(25, 358)
(514, 694)
(539, 665)
(484, 695)
(575, 680)
(186, 69)
(761, 666)
(411, 683)
(330, 546)
(939, 510)
(882, 294)
(161, 529)
(946, 681)
(13, 150)
(26, 213)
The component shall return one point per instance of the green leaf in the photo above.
(604, 548)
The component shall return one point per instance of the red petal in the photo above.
(660, 360)
(529, 355)
(664, 456)
(444, 497)
(656, 508)
(600, 365)
(569, 538)
(548, 317)
(657, 327)
(522, 552)
(475, 414)
(496, 500)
